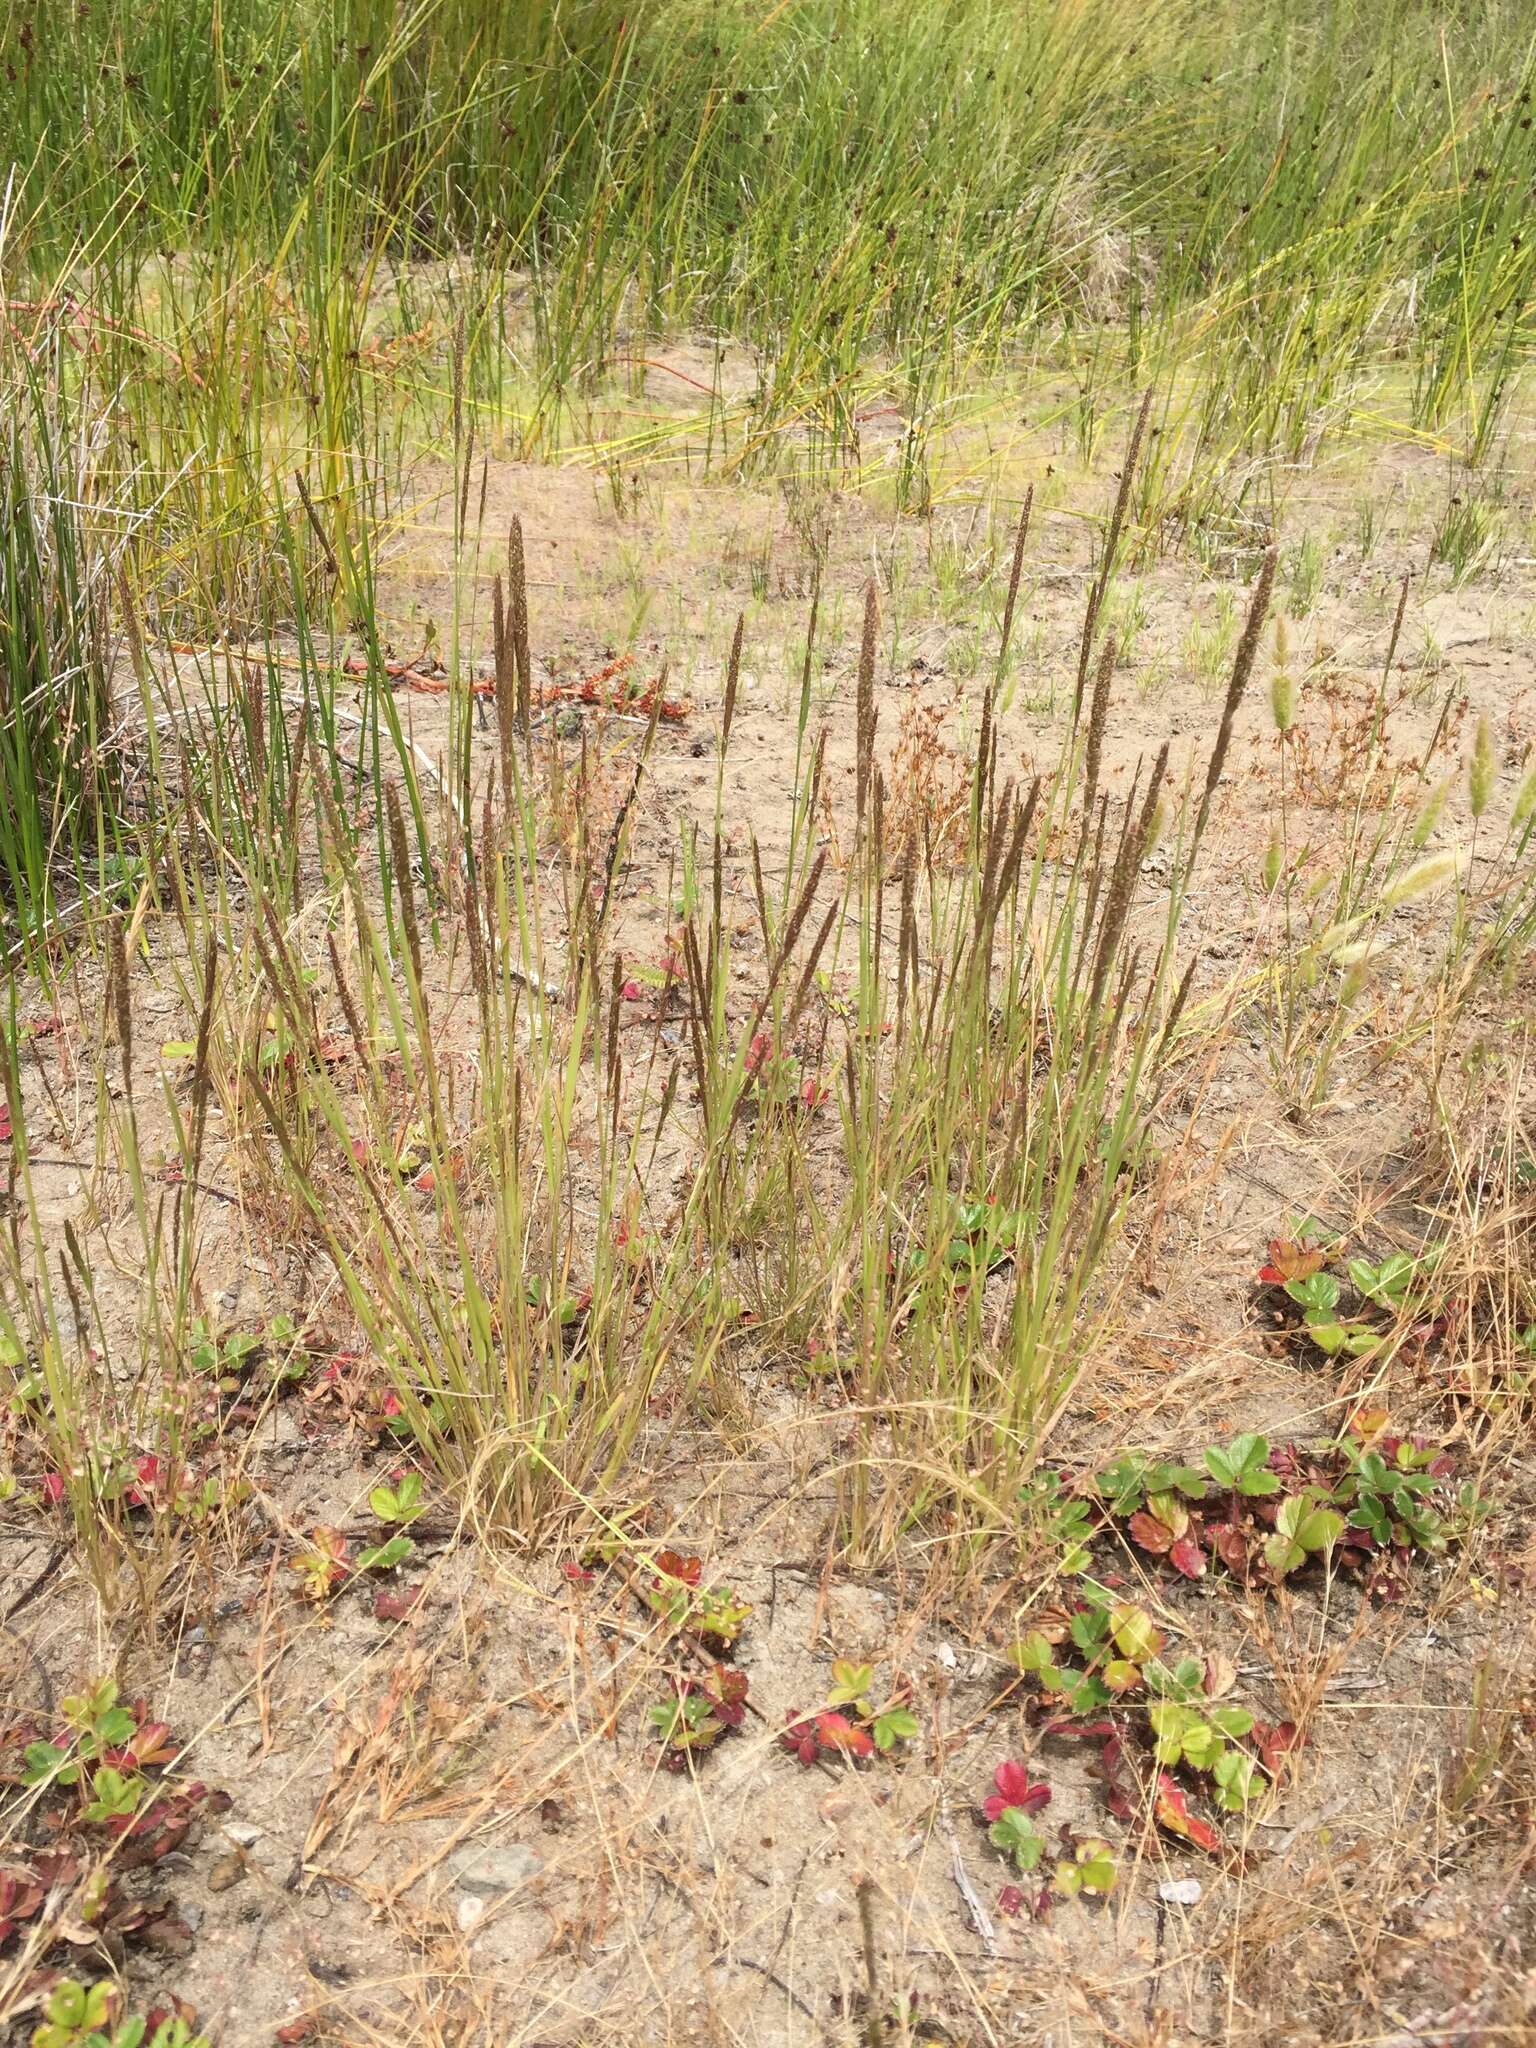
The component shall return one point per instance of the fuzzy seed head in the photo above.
(1282, 699)
(1480, 772)
(1282, 684)
(1274, 860)
(1429, 814)
(1423, 877)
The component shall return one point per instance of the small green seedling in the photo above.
(400, 1501)
(1387, 1284)
(1017, 1836)
(1189, 1728)
(1116, 1639)
(888, 1724)
(115, 1794)
(397, 1501)
(1134, 1478)
(1092, 1872)
(1390, 1504)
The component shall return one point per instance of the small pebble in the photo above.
(1179, 1891)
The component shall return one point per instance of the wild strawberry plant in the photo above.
(852, 1724)
(397, 1502)
(80, 2016)
(323, 1564)
(1009, 1811)
(675, 1591)
(890, 1722)
(1265, 1512)
(698, 1712)
(1092, 1871)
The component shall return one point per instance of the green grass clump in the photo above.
(1285, 198)
(58, 772)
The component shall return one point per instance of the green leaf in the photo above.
(1202, 1745)
(41, 1761)
(1136, 1635)
(1034, 1655)
(1327, 1334)
(1318, 1292)
(1089, 1629)
(1236, 1778)
(383, 1557)
(896, 1724)
(1014, 1832)
(849, 1681)
(1321, 1530)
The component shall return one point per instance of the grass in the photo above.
(735, 739)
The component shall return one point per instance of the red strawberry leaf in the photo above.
(1172, 1809)
(1231, 1546)
(836, 1731)
(1289, 1261)
(1015, 1789)
(1274, 1740)
(1150, 1533)
(1187, 1557)
(672, 1565)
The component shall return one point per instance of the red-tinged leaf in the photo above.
(672, 1565)
(577, 1573)
(394, 1603)
(1274, 1741)
(359, 1150)
(1150, 1533)
(5, 1124)
(836, 1731)
(1014, 1788)
(150, 1743)
(294, 2032)
(53, 1488)
(1187, 1557)
(1289, 1261)
(632, 992)
(1117, 1794)
(1010, 1901)
(1172, 1810)
(1367, 1423)
(1231, 1546)
(799, 1738)
(727, 1692)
